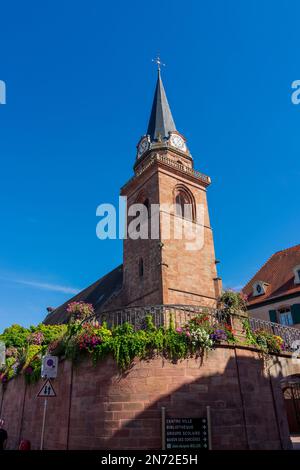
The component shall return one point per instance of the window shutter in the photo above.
(273, 316)
(295, 310)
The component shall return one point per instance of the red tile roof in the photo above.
(278, 273)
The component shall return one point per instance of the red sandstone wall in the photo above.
(96, 408)
(189, 277)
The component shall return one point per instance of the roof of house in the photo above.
(96, 294)
(278, 274)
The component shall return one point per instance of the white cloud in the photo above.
(45, 286)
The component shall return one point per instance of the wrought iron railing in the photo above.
(287, 333)
(161, 315)
(179, 315)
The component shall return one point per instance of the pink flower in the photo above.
(36, 338)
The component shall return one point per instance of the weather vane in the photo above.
(158, 62)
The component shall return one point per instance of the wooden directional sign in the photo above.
(187, 433)
(47, 390)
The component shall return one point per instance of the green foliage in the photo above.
(32, 372)
(24, 357)
(50, 332)
(264, 340)
(126, 344)
(26, 346)
(250, 337)
(175, 345)
(233, 302)
(15, 336)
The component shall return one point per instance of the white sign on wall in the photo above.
(49, 367)
(2, 353)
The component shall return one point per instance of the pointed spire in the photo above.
(161, 121)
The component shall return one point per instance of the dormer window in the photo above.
(297, 274)
(259, 288)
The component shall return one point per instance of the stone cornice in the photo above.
(167, 163)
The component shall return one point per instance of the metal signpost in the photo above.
(49, 370)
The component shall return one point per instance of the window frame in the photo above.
(285, 312)
(187, 199)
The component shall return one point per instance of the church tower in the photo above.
(164, 268)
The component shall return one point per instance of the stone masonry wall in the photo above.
(99, 408)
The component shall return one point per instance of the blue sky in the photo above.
(80, 84)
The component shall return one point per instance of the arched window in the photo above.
(141, 267)
(184, 205)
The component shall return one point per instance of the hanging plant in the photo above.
(79, 311)
(233, 302)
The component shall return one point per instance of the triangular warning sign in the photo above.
(47, 390)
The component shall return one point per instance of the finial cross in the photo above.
(158, 62)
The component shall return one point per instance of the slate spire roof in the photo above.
(161, 121)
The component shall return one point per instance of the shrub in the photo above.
(15, 336)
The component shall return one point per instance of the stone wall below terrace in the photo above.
(99, 408)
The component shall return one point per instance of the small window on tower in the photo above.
(141, 267)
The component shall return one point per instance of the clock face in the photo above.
(143, 146)
(178, 142)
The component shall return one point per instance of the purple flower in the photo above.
(219, 335)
